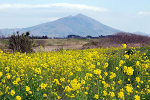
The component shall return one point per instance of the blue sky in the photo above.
(125, 15)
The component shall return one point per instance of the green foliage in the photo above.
(148, 53)
(4, 41)
(91, 43)
(130, 51)
(20, 43)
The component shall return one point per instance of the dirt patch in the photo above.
(57, 48)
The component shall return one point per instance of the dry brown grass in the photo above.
(58, 44)
(57, 48)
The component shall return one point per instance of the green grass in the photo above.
(4, 41)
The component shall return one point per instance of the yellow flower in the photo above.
(18, 79)
(97, 71)
(142, 92)
(129, 71)
(43, 86)
(147, 86)
(87, 88)
(96, 96)
(38, 70)
(7, 88)
(128, 79)
(136, 92)
(56, 81)
(72, 96)
(85, 93)
(62, 79)
(105, 73)
(27, 88)
(129, 88)
(98, 63)
(7, 69)
(141, 82)
(82, 81)
(105, 65)
(40, 46)
(1, 93)
(58, 97)
(12, 92)
(18, 98)
(137, 79)
(125, 68)
(8, 75)
(117, 68)
(112, 94)
(75, 84)
(112, 75)
(30, 92)
(15, 82)
(137, 86)
(137, 63)
(105, 84)
(120, 63)
(44, 95)
(70, 74)
(1, 74)
(100, 76)
(126, 56)
(121, 95)
(104, 93)
(120, 81)
(137, 97)
(146, 73)
(147, 91)
(68, 89)
(112, 88)
(124, 45)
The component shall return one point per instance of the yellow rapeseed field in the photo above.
(91, 74)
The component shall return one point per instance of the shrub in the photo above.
(126, 38)
(20, 43)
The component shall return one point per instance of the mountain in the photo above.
(141, 33)
(77, 25)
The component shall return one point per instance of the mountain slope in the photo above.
(77, 25)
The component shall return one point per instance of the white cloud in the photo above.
(143, 13)
(64, 5)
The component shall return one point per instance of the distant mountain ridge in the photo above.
(141, 33)
(77, 25)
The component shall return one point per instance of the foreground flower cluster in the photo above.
(103, 73)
